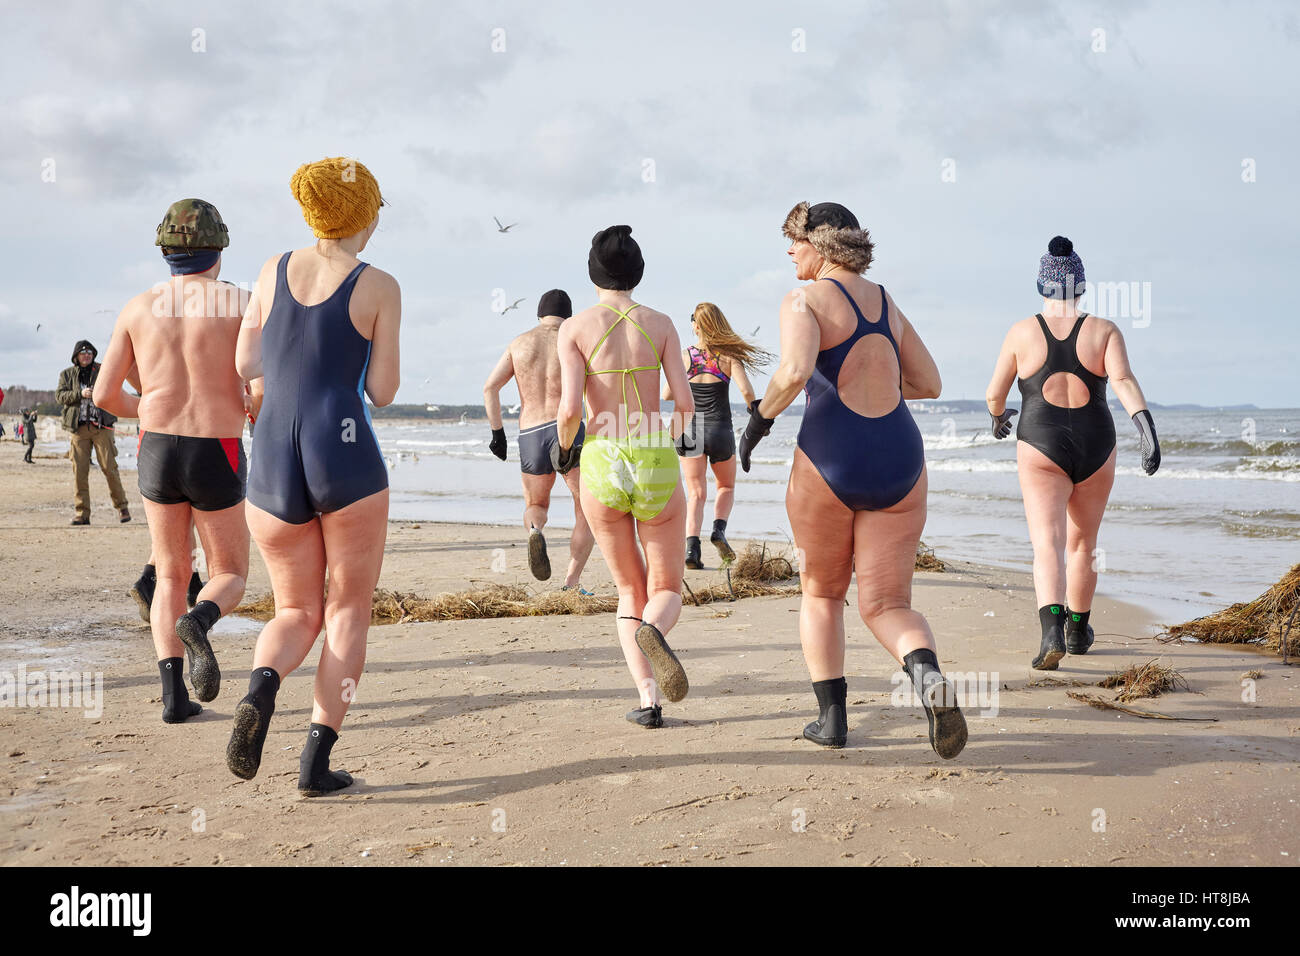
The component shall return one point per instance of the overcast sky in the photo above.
(964, 135)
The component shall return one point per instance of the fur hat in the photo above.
(833, 231)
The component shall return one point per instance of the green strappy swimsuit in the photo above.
(636, 474)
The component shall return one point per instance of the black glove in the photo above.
(564, 460)
(1147, 439)
(688, 442)
(498, 443)
(1002, 423)
(755, 431)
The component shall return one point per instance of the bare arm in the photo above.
(1004, 374)
(118, 361)
(667, 393)
(133, 376)
(573, 374)
(1121, 375)
(919, 372)
(502, 373)
(677, 386)
(800, 337)
(741, 378)
(384, 374)
(257, 391)
(248, 350)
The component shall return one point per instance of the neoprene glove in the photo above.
(564, 460)
(498, 443)
(688, 441)
(1002, 423)
(1148, 440)
(756, 429)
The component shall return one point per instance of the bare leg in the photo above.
(694, 478)
(724, 477)
(354, 550)
(885, 553)
(582, 540)
(823, 535)
(537, 499)
(615, 533)
(1084, 512)
(225, 546)
(662, 538)
(294, 555)
(169, 534)
(1046, 490)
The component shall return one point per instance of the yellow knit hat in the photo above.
(338, 196)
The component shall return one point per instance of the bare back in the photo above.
(624, 347)
(869, 377)
(536, 363)
(1030, 349)
(183, 334)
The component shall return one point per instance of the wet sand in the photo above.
(503, 741)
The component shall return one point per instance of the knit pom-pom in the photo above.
(1060, 246)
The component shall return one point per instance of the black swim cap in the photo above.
(615, 260)
(555, 302)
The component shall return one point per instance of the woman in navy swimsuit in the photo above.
(321, 330)
(857, 492)
(1066, 450)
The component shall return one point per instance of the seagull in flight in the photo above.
(501, 228)
(513, 305)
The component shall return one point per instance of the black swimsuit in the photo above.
(1078, 440)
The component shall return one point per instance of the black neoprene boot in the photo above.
(831, 728)
(1078, 632)
(693, 553)
(939, 698)
(1051, 649)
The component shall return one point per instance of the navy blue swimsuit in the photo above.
(314, 449)
(870, 463)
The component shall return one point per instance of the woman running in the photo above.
(611, 355)
(321, 327)
(857, 492)
(718, 357)
(1065, 451)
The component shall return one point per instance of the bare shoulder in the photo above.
(379, 280)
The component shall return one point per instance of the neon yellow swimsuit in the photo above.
(636, 474)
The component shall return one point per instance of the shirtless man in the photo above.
(534, 363)
(180, 337)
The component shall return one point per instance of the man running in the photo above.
(180, 335)
(534, 363)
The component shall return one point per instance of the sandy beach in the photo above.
(501, 742)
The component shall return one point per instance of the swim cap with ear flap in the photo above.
(833, 231)
(555, 302)
(192, 224)
(615, 260)
(339, 196)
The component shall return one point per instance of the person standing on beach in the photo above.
(534, 362)
(321, 328)
(610, 355)
(28, 427)
(92, 429)
(718, 357)
(1065, 449)
(857, 492)
(176, 344)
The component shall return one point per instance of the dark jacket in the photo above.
(68, 392)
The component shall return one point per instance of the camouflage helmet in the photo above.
(192, 224)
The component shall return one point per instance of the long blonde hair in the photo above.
(721, 339)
